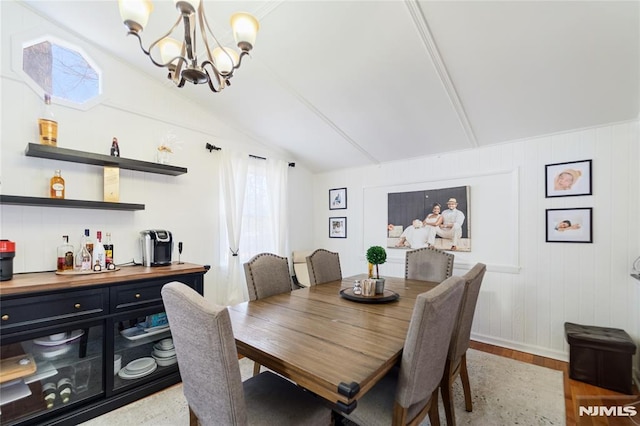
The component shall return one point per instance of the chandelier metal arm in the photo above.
(210, 81)
(148, 51)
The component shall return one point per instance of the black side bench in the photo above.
(600, 356)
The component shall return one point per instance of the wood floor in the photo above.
(572, 388)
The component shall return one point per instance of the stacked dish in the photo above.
(164, 353)
(138, 368)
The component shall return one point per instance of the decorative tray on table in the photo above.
(79, 272)
(387, 296)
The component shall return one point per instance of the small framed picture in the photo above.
(568, 179)
(337, 198)
(337, 227)
(570, 225)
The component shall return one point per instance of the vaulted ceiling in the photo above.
(337, 84)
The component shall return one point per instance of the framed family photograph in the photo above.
(337, 227)
(570, 225)
(568, 179)
(338, 199)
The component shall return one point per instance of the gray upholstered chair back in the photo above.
(207, 356)
(427, 343)
(323, 266)
(428, 264)
(462, 330)
(267, 275)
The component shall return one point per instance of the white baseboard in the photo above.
(532, 349)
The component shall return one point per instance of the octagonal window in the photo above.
(61, 71)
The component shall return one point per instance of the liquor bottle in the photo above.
(65, 389)
(49, 394)
(56, 186)
(108, 250)
(83, 256)
(99, 253)
(115, 149)
(88, 242)
(47, 125)
(65, 255)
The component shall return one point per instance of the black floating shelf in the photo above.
(72, 204)
(64, 154)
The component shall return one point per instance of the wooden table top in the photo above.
(332, 346)
(44, 281)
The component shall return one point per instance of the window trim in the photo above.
(29, 38)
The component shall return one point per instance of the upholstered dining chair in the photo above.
(212, 385)
(428, 264)
(409, 392)
(456, 364)
(300, 269)
(323, 266)
(267, 275)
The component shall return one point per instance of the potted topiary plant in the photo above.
(377, 255)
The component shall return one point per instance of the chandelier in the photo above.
(181, 57)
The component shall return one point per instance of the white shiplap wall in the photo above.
(139, 111)
(524, 308)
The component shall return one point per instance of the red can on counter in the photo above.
(7, 253)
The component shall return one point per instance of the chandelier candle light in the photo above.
(181, 58)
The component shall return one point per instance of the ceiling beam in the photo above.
(432, 49)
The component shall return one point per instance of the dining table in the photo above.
(327, 340)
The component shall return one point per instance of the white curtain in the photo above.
(233, 169)
(277, 180)
(254, 218)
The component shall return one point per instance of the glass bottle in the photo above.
(357, 287)
(49, 394)
(65, 389)
(88, 241)
(47, 124)
(99, 253)
(56, 186)
(115, 149)
(83, 256)
(65, 255)
(108, 250)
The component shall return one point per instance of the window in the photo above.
(62, 71)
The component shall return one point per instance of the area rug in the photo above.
(505, 392)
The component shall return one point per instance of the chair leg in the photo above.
(434, 414)
(464, 376)
(193, 420)
(256, 368)
(446, 388)
(447, 400)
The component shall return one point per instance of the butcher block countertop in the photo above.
(45, 281)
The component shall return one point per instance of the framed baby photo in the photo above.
(338, 199)
(568, 179)
(337, 227)
(570, 225)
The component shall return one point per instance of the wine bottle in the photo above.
(49, 394)
(56, 186)
(108, 250)
(47, 124)
(65, 389)
(65, 255)
(99, 254)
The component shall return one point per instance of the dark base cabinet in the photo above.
(65, 342)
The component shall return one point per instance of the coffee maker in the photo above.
(156, 246)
